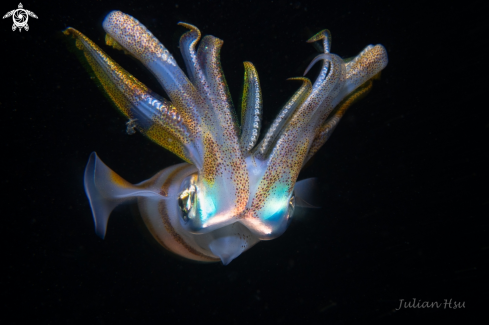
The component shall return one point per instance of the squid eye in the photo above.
(186, 201)
(291, 206)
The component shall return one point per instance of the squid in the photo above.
(234, 187)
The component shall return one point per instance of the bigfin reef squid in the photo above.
(232, 190)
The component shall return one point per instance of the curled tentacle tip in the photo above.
(189, 26)
(303, 79)
(68, 30)
(248, 65)
(324, 56)
(193, 34)
(79, 37)
(324, 34)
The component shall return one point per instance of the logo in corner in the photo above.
(20, 17)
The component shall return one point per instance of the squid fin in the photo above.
(106, 190)
(306, 193)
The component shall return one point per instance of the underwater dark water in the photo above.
(402, 181)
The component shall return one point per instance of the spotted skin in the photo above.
(132, 36)
(128, 94)
(332, 121)
(240, 191)
(251, 108)
(266, 145)
(121, 86)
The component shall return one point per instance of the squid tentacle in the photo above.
(283, 117)
(154, 116)
(251, 108)
(131, 35)
(188, 42)
(325, 36)
(325, 131)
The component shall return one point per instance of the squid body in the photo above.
(231, 191)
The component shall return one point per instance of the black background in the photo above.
(403, 180)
